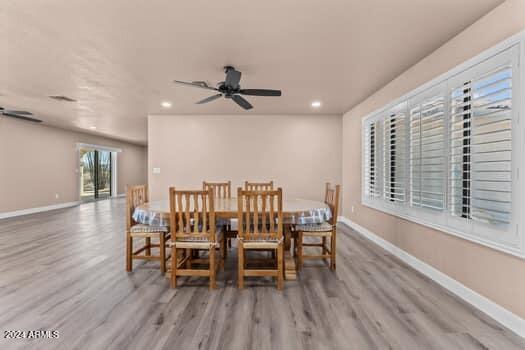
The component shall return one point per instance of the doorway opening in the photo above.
(97, 169)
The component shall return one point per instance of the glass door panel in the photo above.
(95, 174)
(103, 188)
(87, 174)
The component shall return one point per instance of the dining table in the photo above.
(296, 211)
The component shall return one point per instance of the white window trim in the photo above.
(101, 148)
(427, 218)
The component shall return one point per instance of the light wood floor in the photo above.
(64, 271)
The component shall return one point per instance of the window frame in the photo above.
(510, 241)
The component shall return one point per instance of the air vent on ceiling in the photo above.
(62, 98)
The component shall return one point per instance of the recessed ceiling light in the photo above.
(316, 104)
(166, 104)
(93, 127)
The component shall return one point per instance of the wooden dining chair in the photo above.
(324, 230)
(258, 186)
(193, 227)
(222, 190)
(138, 195)
(260, 216)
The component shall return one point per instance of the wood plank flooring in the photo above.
(64, 271)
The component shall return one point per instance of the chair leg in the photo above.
(173, 267)
(323, 248)
(223, 252)
(332, 250)
(213, 268)
(226, 242)
(162, 249)
(280, 269)
(189, 253)
(148, 246)
(240, 256)
(299, 250)
(129, 252)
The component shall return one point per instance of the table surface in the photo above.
(297, 211)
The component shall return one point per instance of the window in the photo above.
(450, 153)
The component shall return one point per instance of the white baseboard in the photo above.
(497, 312)
(13, 214)
(119, 195)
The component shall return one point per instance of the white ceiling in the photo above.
(117, 58)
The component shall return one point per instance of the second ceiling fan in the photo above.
(230, 88)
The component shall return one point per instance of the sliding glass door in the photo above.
(96, 174)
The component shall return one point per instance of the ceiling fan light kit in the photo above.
(230, 89)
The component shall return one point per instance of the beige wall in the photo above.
(37, 162)
(496, 275)
(300, 153)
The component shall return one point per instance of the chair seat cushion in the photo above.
(261, 244)
(322, 227)
(194, 244)
(141, 228)
(200, 240)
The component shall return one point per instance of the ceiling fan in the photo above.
(23, 115)
(230, 88)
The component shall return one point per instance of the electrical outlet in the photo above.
(353, 209)
(156, 170)
(57, 196)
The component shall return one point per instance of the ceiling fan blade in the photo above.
(197, 84)
(34, 120)
(18, 112)
(208, 99)
(241, 101)
(233, 78)
(260, 92)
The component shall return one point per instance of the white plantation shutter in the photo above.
(371, 174)
(460, 157)
(394, 155)
(427, 151)
(481, 147)
(452, 153)
(492, 147)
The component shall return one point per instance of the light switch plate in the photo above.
(156, 170)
